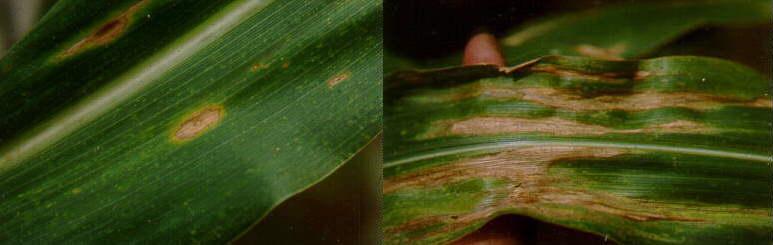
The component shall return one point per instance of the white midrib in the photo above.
(128, 84)
(518, 144)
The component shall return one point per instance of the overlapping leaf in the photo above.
(616, 32)
(180, 121)
(672, 150)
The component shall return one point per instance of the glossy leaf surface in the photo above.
(180, 121)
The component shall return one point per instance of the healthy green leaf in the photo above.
(672, 150)
(155, 121)
(617, 32)
(603, 34)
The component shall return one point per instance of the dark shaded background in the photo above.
(342, 209)
(437, 28)
(513, 229)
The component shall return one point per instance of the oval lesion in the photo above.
(198, 123)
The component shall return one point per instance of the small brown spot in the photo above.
(332, 82)
(198, 123)
(611, 53)
(106, 33)
(285, 65)
(257, 67)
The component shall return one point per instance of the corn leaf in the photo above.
(621, 31)
(154, 121)
(672, 150)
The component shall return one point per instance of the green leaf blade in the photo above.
(597, 33)
(243, 106)
(615, 32)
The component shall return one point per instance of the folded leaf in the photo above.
(672, 150)
(616, 32)
(180, 121)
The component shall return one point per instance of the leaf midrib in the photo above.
(582, 143)
(128, 84)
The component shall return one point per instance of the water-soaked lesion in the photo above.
(107, 33)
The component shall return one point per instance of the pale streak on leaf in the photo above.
(532, 189)
(611, 53)
(478, 126)
(566, 100)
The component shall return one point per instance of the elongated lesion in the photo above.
(478, 126)
(572, 101)
(524, 165)
(106, 33)
(198, 123)
(559, 99)
(530, 188)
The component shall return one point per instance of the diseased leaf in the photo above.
(672, 150)
(180, 121)
(622, 31)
